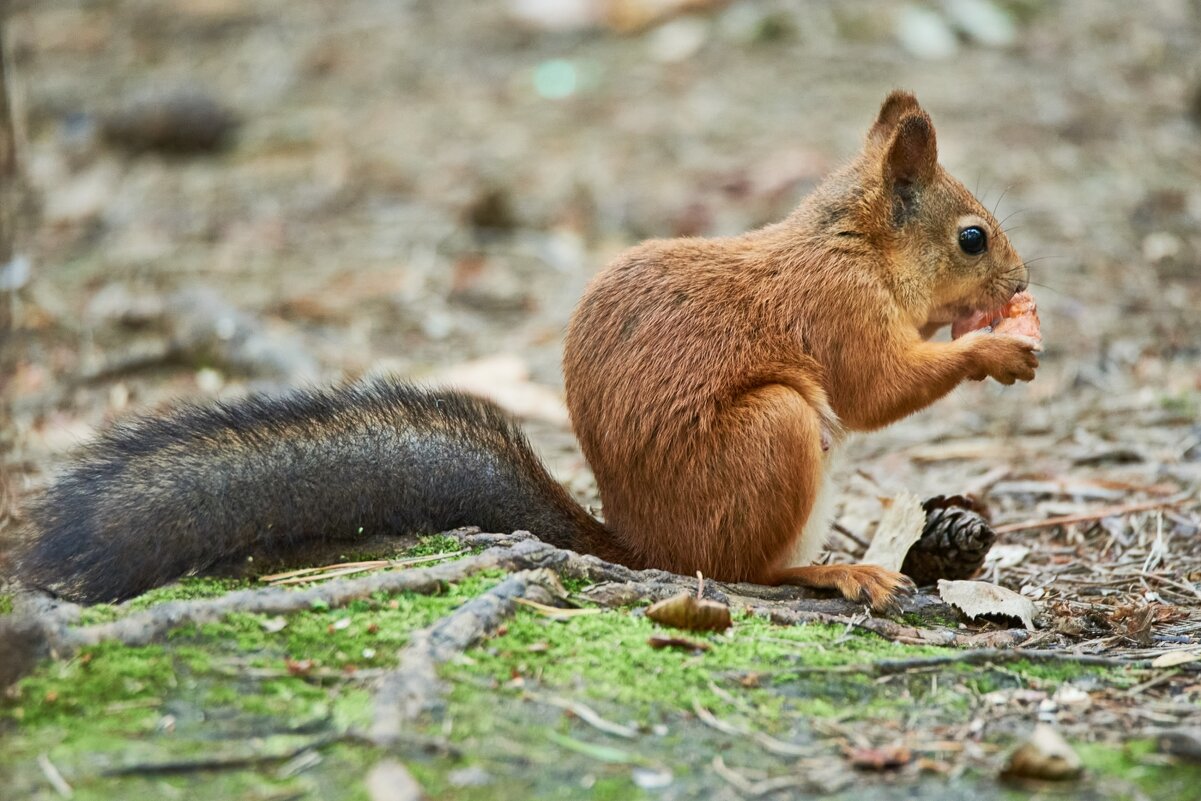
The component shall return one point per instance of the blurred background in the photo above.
(214, 196)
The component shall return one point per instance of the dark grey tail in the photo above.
(160, 497)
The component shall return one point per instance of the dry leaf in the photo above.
(677, 642)
(900, 526)
(1174, 658)
(975, 598)
(1044, 755)
(886, 758)
(685, 611)
(558, 613)
(1007, 555)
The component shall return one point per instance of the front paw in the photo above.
(1004, 357)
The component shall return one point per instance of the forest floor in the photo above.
(425, 189)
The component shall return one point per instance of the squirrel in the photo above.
(709, 382)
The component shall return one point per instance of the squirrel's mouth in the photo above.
(960, 316)
(974, 320)
(967, 317)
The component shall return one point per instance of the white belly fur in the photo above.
(812, 542)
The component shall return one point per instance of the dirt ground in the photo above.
(415, 186)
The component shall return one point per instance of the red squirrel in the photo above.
(707, 380)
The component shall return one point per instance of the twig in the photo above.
(54, 777)
(850, 535)
(231, 761)
(755, 789)
(311, 574)
(764, 739)
(1089, 517)
(588, 715)
(978, 656)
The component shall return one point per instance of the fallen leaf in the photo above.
(505, 380)
(1174, 658)
(1044, 755)
(900, 526)
(686, 611)
(677, 642)
(299, 667)
(887, 757)
(1007, 555)
(558, 613)
(976, 598)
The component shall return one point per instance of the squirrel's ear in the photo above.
(911, 159)
(896, 105)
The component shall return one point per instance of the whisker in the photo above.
(996, 205)
(1010, 214)
(1047, 287)
(1037, 259)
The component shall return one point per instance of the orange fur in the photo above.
(706, 377)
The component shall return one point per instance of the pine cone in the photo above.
(954, 542)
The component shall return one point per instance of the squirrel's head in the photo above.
(947, 252)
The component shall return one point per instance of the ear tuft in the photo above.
(912, 156)
(895, 106)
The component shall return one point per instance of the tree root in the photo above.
(414, 687)
(45, 627)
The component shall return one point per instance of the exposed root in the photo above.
(414, 687)
(46, 627)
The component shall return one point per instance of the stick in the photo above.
(1089, 517)
(978, 656)
(230, 761)
(54, 777)
(589, 716)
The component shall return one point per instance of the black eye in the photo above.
(973, 241)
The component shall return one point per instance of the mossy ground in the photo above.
(112, 717)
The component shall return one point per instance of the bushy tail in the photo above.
(160, 497)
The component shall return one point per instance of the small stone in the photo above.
(678, 40)
(651, 779)
(473, 776)
(982, 21)
(925, 34)
(1160, 246)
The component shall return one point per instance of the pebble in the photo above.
(925, 34)
(982, 21)
(678, 40)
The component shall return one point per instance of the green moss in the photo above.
(6, 604)
(428, 546)
(608, 658)
(1135, 771)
